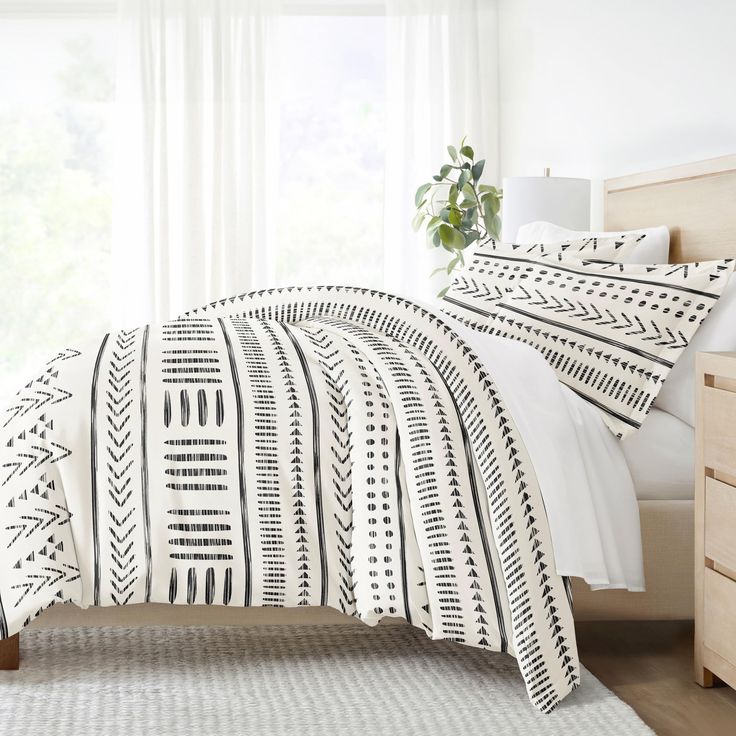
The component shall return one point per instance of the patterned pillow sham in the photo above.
(495, 268)
(611, 331)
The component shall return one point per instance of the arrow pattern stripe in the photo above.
(122, 574)
(41, 567)
(611, 331)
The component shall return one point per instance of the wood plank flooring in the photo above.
(649, 665)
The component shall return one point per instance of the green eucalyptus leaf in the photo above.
(468, 152)
(451, 238)
(496, 227)
(437, 177)
(488, 222)
(453, 152)
(452, 194)
(478, 169)
(486, 188)
(445, 170)
(455, 217)
(462, 180)
(471, 237)
(441, 269)
(445, 214)
(446, 235)
(444, 291)
(470, 218)
(436, 240)
(452, 264)
(433, 224)
(491, 203)
(418, 221)
(458, 239)
(419, 196)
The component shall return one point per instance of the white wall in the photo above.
(600, 88)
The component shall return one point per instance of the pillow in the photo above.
(495, 268)
(654, 248)
(611, 331)
(717, 334)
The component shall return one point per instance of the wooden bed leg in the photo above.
(704, 677)
(10, 653)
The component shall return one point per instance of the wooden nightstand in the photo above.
(715, 519)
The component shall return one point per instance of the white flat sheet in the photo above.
(583, 475)
(661, 458)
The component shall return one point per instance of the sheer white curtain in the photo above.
(197, 112)
(196, 128)
(442, 84)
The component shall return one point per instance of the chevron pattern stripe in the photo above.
(611, 331)
(323, 446)
(41, 568)
(121, 574)
(495, 269)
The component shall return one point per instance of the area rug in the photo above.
(281, 680)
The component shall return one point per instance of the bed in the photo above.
(354, 315)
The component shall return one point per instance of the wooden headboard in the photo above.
(696, 201)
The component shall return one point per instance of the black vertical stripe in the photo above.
(241, 463)
(192, 586)
(184, 401)
(227, 589)
(567, 582)
(209, 586)
(144, 467)
(3, 621)
(93, 454)
(402, 531)
(219, 408)
(479, 516)
(172, 586)
(167, 408)
(316, 462)
(202, 407)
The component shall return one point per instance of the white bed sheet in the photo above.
(583, 475)
(661, 458)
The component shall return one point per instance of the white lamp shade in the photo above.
(560, 200)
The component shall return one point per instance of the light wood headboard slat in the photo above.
(697, 201)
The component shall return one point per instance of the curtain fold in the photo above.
(196, 130)
(442, 84)
(197, 116)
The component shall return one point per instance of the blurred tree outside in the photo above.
(55, 215)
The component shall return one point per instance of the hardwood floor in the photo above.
(649, 665)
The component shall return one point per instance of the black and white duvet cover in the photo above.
(322, 446)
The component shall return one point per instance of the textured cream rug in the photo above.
(278, 681)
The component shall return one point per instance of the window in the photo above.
(331, 150)
(57, 71)
(56, 84)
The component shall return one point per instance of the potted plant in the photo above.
(456, 209)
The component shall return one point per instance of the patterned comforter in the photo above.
(295, 447)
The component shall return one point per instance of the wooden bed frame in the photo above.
(698, 203)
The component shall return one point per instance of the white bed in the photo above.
(658, 461)
(661, 458)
